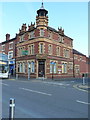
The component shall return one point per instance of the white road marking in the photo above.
(54, 83)
(4, 84)
(36, 91)
(82, 102)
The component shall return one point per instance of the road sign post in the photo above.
(52, 69)
(12, 109)
(29, 70)
(83, 80)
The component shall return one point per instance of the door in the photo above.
(41, 68)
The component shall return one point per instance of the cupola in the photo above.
(42, 18)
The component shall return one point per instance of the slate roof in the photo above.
(77, 52)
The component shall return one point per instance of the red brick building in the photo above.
(45, 51)
(80, 63)
(8, 47)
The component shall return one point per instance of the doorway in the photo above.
(41, 68)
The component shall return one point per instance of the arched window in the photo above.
(53, 67)
(32, 67)
(41, 48)
(21, 67)
(64, 67)
(50, 49)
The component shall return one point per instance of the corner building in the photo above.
(43, 51)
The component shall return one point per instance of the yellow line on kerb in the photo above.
(75, 86)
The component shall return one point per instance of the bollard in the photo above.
(29, 73)
(16, 76)
(12, 109)
(83, 80)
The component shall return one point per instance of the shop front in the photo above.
(12, 67)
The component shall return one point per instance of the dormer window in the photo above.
(32, 34)
(61, 39)
(21, 38)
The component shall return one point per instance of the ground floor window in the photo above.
(53, 67)
(77, 69)
(24, 67)
(21, 67)
(64, 67)
(32, 66)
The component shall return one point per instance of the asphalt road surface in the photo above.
(43, 99)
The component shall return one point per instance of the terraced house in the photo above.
(42, 50)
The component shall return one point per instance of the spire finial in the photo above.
(42, 7)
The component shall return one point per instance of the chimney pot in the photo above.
(7, 37)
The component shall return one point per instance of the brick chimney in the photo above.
(7, 37)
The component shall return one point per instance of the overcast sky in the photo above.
(72, 16)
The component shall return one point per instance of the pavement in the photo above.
(82, 87)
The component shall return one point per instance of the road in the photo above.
(42, 99)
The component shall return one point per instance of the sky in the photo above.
(71, 16)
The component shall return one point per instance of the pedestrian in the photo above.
(11, 71)
(42, 74)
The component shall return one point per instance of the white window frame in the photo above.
(32, 49)
(41, 48)
(22, 38)
(3, 47)
(32, 35)
(11, 43)
(9, 54)
(64, 67)
(50, 49)
(32, 67)
(21, 67)
(66, 53)
(53, 67)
